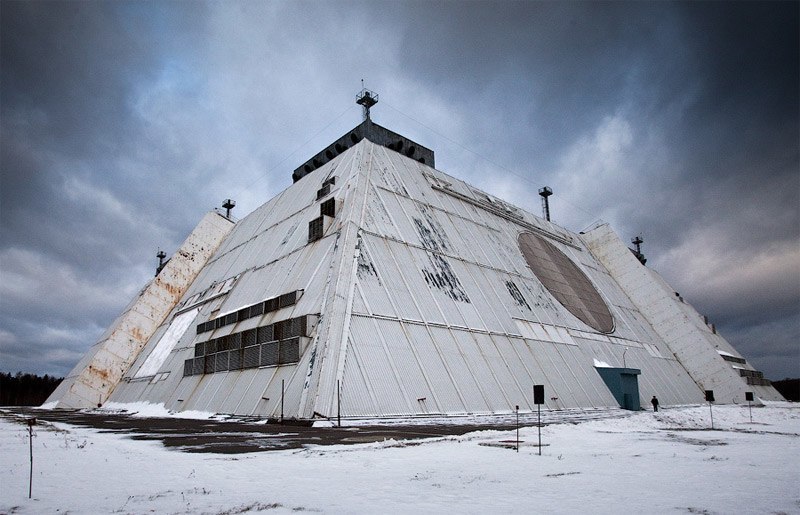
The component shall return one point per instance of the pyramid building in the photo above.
(378, 286)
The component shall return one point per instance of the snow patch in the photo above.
(601, 364)
(150, 410)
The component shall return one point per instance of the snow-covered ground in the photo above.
(668, 462)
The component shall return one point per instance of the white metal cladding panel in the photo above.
(201, 397)
(548, 310)
(469, 385)
(509, 369)
(471, 242)
(403, 223)
(471, 312)
(566, 369)
(129, 392)
(405, 174)
(498, 364)
(378, 368)
(314, 278)
(175, 399)
(315, 258)
(440, 226)
(516, 358)
(432, 303)
(408, 363)
(396, 267)
(585, 377)
(485, 296)
(372, 276)
(182, 331)
(506, 254)
(445, 390)
(376, 215)
(448, 203)
(442, 296)
(254, 384)
(479, 368)
(415, 181)
(359, 306)
(293, 377)
(385, 173)
(504, 305)
(551, 362)
(356, 398)
(525, 349)
(229, 383)
(687, 387)
(242, 380)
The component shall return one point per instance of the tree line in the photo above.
(26, 389)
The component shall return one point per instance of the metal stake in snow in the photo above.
(338, 405)
(749, 398)
(517, 410)
(31, 421)
(710, 399)
(538, 399)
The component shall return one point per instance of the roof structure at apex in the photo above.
(371, 131)
(378, 286)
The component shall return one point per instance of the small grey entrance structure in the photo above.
(624, 385)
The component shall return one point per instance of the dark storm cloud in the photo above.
(74, 226)
(123, 122)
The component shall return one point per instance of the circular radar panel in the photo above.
(565, 281)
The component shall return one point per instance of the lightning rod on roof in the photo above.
(366, 99)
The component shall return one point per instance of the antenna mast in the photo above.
(638, 252)
(366, 99)
(546, 192)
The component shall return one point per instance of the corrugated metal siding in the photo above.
(444, 314)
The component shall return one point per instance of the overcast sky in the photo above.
(124, 122)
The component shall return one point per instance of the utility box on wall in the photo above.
(623, 384)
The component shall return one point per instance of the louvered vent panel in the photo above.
(266, 333)
(249, 337)
(235, 359)
(220, 362)
(289, 351)
(328, 208)
(323, 191)
(251, 356)
(315, 227)
(269, 354)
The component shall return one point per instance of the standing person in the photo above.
(654, 402)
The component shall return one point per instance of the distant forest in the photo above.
(26, 389)
(789, 388)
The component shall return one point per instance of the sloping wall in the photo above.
(699, 349)
(91, 382)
